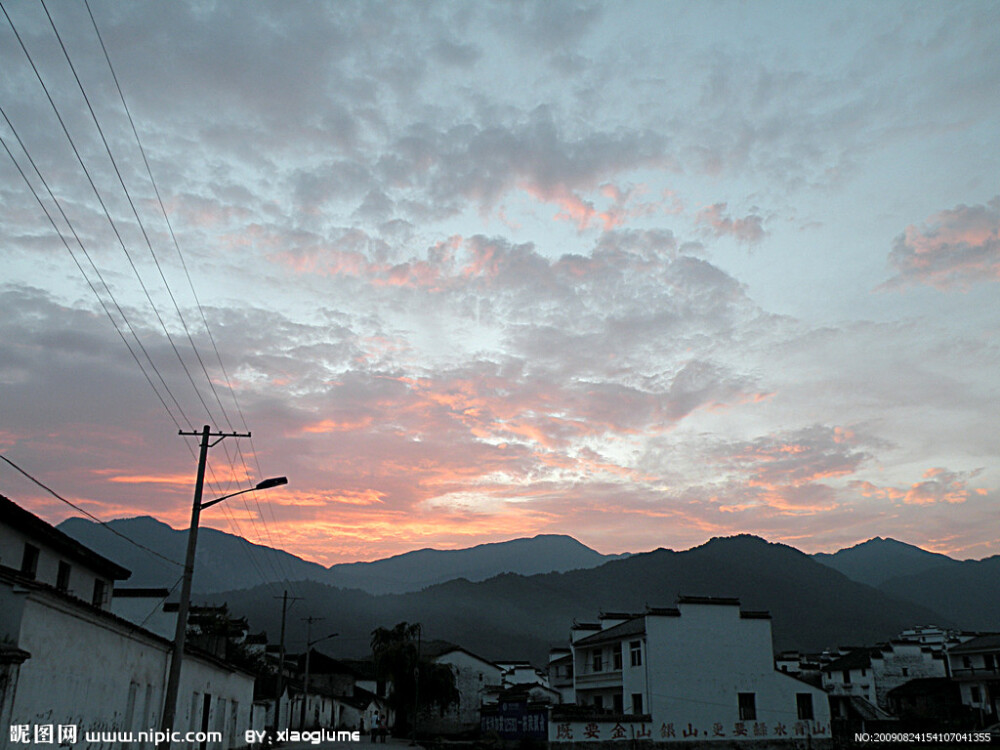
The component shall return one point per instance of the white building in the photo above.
(86, 667)
(561, 674)
(700, 671)
(975, 666)
(859, 682)
(474, 678)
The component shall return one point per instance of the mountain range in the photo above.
(517, 598)
(225, 561)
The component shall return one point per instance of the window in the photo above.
(599, 702)
(635, 650)
(637, 703)
(906, 671)
(748, 706)
(976, 696)
(62, 580)
(596, 661)
(616, 658)
(989, 662)
(967, 662)
(846, 674)
(618, 703)
(864, 673)
(804, 706)
(99, 589)
(29, 563)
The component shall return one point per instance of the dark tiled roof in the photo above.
(437, 649)
(988, 642)
(727, 601)
(755, 615)
(859, 658)
(635, 626)
(924, 686)
(17, 517)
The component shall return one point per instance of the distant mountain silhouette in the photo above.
(416, 570)
(968, 592)
(515, 616)
(227, 562)
(878, 560)
(223, 561)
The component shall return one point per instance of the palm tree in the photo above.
(396, 653)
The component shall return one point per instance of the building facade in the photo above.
(700, 671)
(85, 667)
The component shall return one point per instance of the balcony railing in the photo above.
(975, 673)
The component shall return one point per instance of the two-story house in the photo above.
(702, 670)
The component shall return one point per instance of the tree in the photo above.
(396, 652)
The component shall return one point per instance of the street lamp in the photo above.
(305, 681)
(264, 485)
(180, 632)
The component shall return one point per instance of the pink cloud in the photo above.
(956, 247)
(939, 485)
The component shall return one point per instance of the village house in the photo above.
(84, 668)
(702, 670)
(561, 674)
(860, 681)
(474, 678)
(975, 666)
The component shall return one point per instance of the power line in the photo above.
(96, 270)
(89, 514)
(114, 164)
(239, 450)
(260, 513)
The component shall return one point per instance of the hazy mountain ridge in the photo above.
(227, 562)
(412, 571)
(816, 601)
(512, 615)
(878, 560)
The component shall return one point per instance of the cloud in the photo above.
(958, 247)
(938, 485)
(748, 230)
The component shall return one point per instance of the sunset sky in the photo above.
(644, 273)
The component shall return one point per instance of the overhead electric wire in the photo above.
(96, 270)
(89, 514)
(135, 212)
(187, 274)
(201, 310)
(274, 573)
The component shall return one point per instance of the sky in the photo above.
(644, 273)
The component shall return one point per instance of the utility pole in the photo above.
(416, 688)
(305, 682)
(281, 659)
(180, 632)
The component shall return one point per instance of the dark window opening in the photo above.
(748, 706)
(597, 665)
(619, 703)
(847, 676)
(62, 581)
(99, 590)
(804, 706)
(29, 563)
(637, 703)
(599, 702)
(617, 659)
